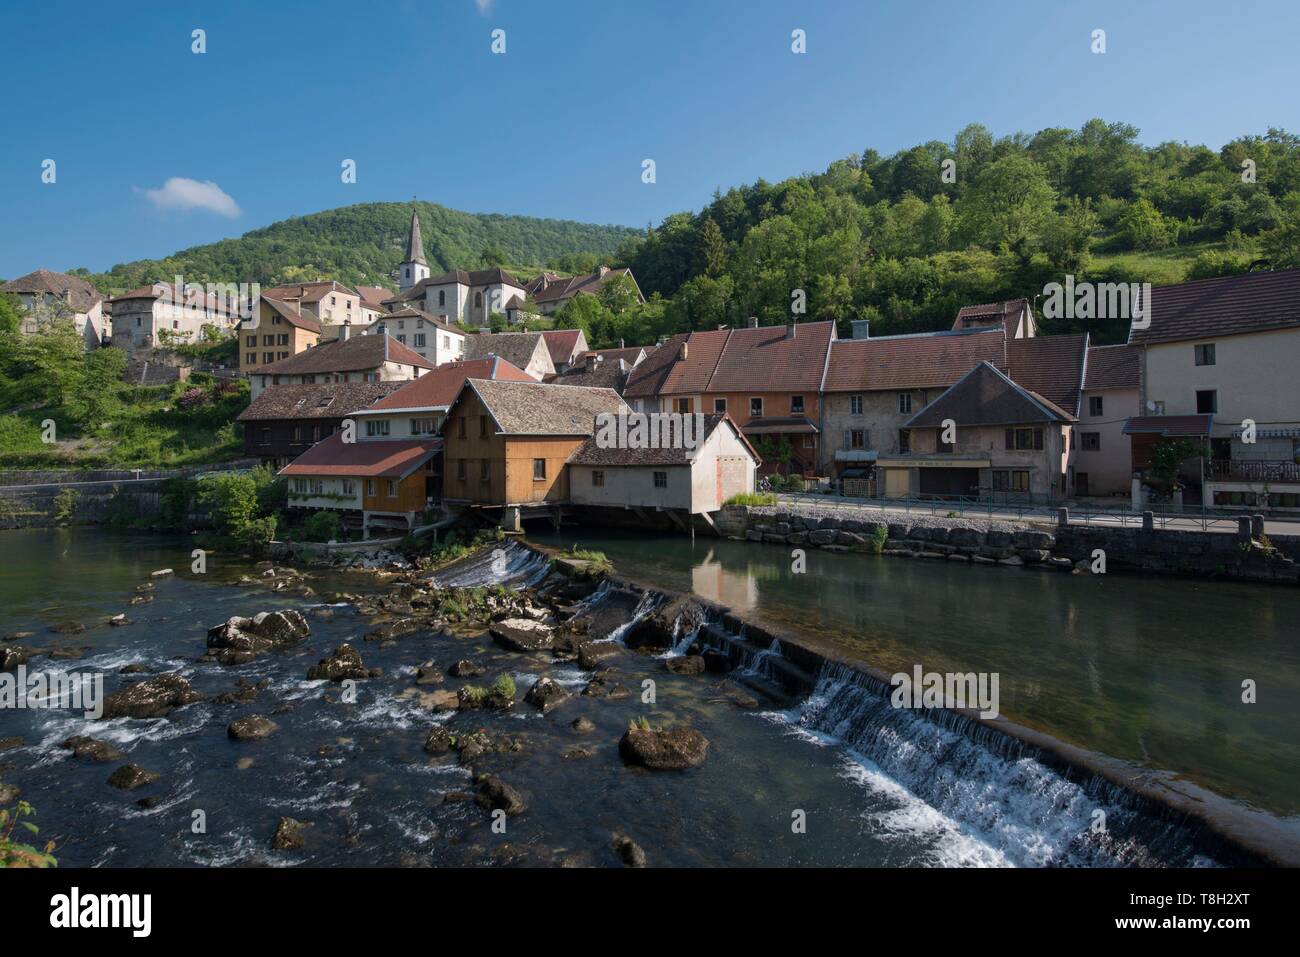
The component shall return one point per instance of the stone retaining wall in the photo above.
(1070, 548)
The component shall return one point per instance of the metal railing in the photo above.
(1261, 471)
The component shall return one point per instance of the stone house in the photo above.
(284, 421)
(378, 358)
(45, 296)
(526, 350)
(425, 334)
(165, 314)
(275, 331)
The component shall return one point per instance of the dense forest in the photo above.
(905, 240)
(365, 243)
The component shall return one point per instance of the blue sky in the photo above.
(559, 125)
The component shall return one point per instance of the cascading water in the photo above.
(644, 609)
(509, 564)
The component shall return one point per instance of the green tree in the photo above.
(1007, 205)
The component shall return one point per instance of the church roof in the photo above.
(415, 243)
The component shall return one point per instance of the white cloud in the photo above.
(185, 194)
(483, 6)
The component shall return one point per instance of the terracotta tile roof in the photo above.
(929, 360)
(590, 453)
(1170, 425)
(194, 296)
(355, 354)
(326, 400)
(1051, 366)
(555, 288)
(308, 291)
(767, 359)
(293, 316)
(629, 354)
(1007, 314)
(669, 372)
(81, 293)
(375, 459)
(373, 296)
(536, 408)
(1226, 306)
(986, 396)
(516, 347)
(1111, 367)
(563, 343)
(410, 312)
(439, 388)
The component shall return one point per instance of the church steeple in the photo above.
(414, 267)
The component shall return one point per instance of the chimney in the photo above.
(620, 342)
(752, 322)
(861, 328)
(345, 331)
(681, 354)
(592, 359)
(791, 330)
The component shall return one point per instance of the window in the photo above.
(460, 470)
(251, 359)
(349, 487)
(442, 297)
(252, 340)
(1205, 354)
(282, 340)
(855, 405)
(423, 427)
(268, 356)
(756, 407)
(904, 403)
(377, 427)
(1024, 440)
(266, 436)
(478, 300)
(1096, 407)
(1207, 400)
(401, 337)
(275, 320)
(682, 405)
(661, 480)
(796, 405)
(300, 486)
(268, 340)
(858, 439)
(597, 478)
(1020, 481)
(485, 471)
(1090, 441)
(334, 300)
(720, 406)
(419, 340)
(370, 487)
(904, 441)
(392, 488)
(539, 470)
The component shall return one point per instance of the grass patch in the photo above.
(752, 498)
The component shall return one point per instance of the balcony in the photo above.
(1237, 470)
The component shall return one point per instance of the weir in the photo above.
(1037, 800)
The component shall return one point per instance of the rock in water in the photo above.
(666, 624)
(13, 656)
(439, 741)
(546, 695)
(465, 669)
(131, 776)
(240, 639)
(494, 794)
(629, 851)
(153, 698)
(583, 725)
(289, 835)
(429, 675)
(84, 747)
(522, 634)
(673, 749)
(341, 664)
(254, 727)
(685, 665)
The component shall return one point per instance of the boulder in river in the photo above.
(583, 725)
(84, 747)
(606, 685)
(628, 851)
(161, 573)
(466, 669)
(152, 698)
(8, 794)
(240, 639)
(19, 635)
(118, 621)
(439, 740)
(252, 727)
(666, 624)
(68, 628)
(131, 776)
(289, 835)
(429, 674)
(521, 634)
(444, 701)
(592, 653)
(494, 794)
(12, 656)
(546, 695)
(685, 665)
(671, 749)
(342, 664)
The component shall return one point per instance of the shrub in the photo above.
(876, 544)
(752, 498)
(322, 527)
(14, 854)
(503, 686)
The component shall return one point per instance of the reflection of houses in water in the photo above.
(738, 590)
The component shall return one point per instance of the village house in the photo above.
(605, 369)
(372, 303)
(527, 350)
(564, 345)
(552, 292)
(286, 420)
(676, 480)
(45, 296)
(378, 358)
(331, 303)
(1103, 459)
(425, 334)
(767, 378)
(162, 315)
(275, 331)
(1008, 444)
(507, 444)
(873, 386)
(1219, 357)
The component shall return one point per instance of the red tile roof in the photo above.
(374, 459)
(985, 396)
(1111, 367)
(356, 354)
(770, 360)
(1052, 366)
(1225, 306)
(438, 389)
(931, 360)
(562, 343)
(308, 291)
(1007, 314)
(292, 315)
